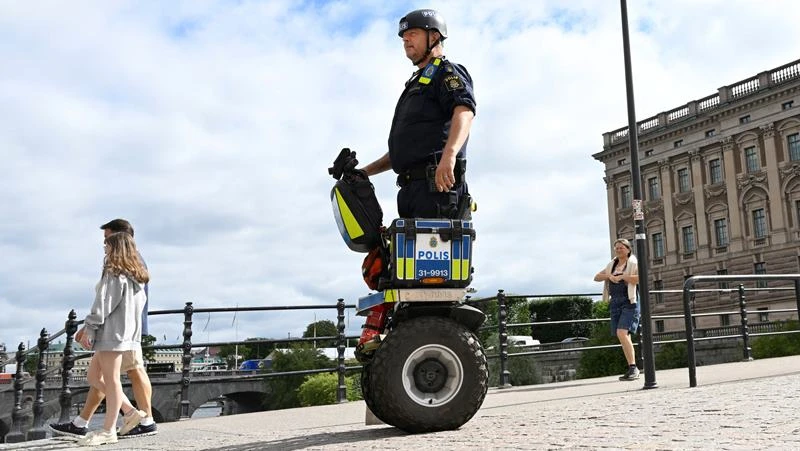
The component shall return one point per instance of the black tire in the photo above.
(429, 374)
(366, 393)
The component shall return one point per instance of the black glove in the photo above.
(345, 162)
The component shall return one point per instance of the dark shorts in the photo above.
(624, 315)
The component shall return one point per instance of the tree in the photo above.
(561, 309)
(321, 389)
(323, 328)
(283, 390)
(148, 353)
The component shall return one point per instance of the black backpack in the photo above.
(355, 207)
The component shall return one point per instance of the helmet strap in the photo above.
(428, 47)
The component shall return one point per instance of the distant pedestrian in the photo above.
(113, 327)
(621, 277)
(132, 364)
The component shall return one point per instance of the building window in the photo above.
(759, 223)
(763, 314)
(744, 119)
(721, 232)
(659, 325)
(723, 285)
(760, 268)
(724, 320)
(688, 239)
(658, 285)
(710, 133)
(715, 171)
(622, 162)
(625, 196)
(787, 105)
(677, 143)
(751, 159)
(683, 180)
(793, 142)
(648, 153)
(653, 190)
(797, 207)
(658, 244)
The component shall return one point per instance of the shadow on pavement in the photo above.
(321, 439)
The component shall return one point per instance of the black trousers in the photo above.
(415, 200)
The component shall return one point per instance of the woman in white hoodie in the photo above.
(620, 277)
(114, 325)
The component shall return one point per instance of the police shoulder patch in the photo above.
(453, 82)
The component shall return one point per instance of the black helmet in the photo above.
(427, 19)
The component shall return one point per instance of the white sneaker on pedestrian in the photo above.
(130, 420)
(98, 437)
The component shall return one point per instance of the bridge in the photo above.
(241, 392)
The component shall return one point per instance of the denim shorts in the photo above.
(624, 315)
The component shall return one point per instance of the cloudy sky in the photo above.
(210, 125)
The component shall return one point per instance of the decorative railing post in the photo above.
(37, 432)
(745, 330)
(187, 359)
(70, 327)
(502, 317)
(341, 393)
(16, 435)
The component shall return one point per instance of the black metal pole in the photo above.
(37, 432)
(689, 324)
(638, 213)
(16, 435)
(341, 393)
(67, 363)
(502, 333)
(187, 360)
(744, 329)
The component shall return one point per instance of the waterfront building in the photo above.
(720, 180)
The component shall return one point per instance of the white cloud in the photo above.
(210, 126)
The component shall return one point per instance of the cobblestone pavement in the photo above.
(736, 406)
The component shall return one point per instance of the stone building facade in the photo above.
(720, 180)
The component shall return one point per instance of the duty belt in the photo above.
(428, 172)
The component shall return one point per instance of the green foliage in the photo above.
(561, 309)
(247, 351)
(320, 389)
(777, 345)
(672, 355)
(522, 370)
(283, 390)
(148, 353)
(601, 362)
(323, 328)
(31, 363)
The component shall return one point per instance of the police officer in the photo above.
(431, 124)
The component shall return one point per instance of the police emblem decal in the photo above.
(453, 82)
(433, 242)
(429, 71)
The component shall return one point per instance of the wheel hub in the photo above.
(430, 376)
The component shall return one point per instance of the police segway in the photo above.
(424, 368)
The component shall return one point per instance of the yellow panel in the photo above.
(354, 230)
(456, 271)
(465, 269)
(400, 268)
(409, 269)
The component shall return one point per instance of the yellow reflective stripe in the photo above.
(400, 265)
(465, 269)
(425, 80)
(456, 269)
(409, 269)
(390, 296)
(354, 230)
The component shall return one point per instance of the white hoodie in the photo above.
(114, 322)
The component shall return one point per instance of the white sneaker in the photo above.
(98, 437)
(131, 420)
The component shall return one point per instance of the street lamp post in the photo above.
(638, 213)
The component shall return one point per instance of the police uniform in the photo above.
(419, 132)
